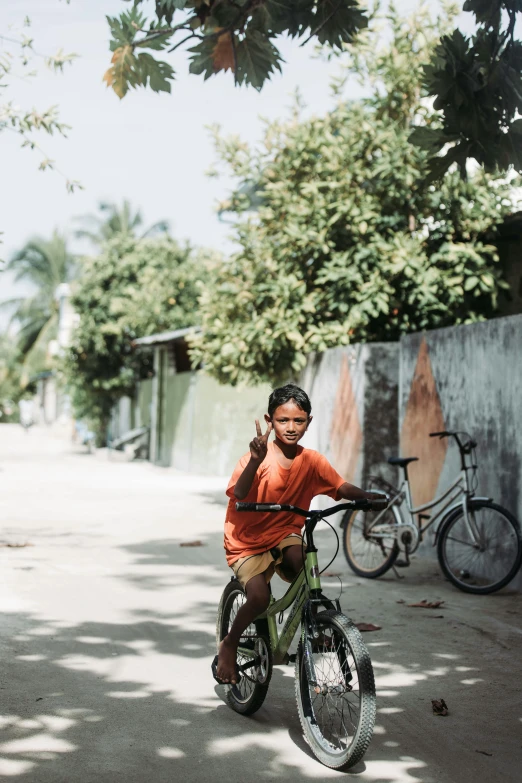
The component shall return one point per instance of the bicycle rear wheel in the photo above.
(337, 709)
(247, 696)
(491, 562)
(370, 546)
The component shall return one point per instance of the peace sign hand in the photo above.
(259, 445)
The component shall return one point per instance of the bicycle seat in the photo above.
(402, 461)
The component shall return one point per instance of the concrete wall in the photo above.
(197, 425)
(354, 393)
(209, 426)
(464, 378)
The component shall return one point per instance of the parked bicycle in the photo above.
(479, 545)
(334, 680)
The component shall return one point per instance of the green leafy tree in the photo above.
(221, 35)
(477, 86)
(44, 264)
(349, 243)
(113, 221)
(134, 288)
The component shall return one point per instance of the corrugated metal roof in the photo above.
(167, 337)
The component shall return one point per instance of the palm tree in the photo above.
(45, 264)
(114, 221)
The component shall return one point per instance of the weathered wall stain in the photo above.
(345, 429)
(423, 415)
(381, 412)
(354, 394)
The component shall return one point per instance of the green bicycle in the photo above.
(334, 682)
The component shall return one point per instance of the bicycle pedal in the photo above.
(291, 659)
(401, 563)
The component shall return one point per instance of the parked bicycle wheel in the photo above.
(247, 696)
(369, 544)
(337, 711)
(489, 563)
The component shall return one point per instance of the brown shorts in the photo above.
(266, 563)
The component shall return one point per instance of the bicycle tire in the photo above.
(247, 696)
(471, 574)
(335, 627)
(353, 525)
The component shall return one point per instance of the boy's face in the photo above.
(290, 422)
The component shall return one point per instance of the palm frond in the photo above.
(35, 356)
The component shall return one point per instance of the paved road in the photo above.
(108, 632)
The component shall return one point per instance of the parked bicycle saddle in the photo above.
(402, 461)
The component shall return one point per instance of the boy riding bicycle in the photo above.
(257, 545)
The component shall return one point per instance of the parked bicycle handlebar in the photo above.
(376, 504)
(464, 447)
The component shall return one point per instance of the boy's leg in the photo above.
(258, 598)
(292, 560)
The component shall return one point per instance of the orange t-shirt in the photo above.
(253, 532)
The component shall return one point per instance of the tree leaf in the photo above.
(157, 73)
(223, 53)
(257, 59)
(120, 75)
(201, 61)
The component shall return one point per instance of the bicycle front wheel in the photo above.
(487, 559)
(336, 695)
(369, 543)
(247, 696)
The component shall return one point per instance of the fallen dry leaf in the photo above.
(427, 604)
(191, 543)
(439, 707)
(436, 616)
(484, 752)
(367, 627)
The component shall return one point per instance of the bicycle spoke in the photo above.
(335, 714)
(370, 541)
(244, 689)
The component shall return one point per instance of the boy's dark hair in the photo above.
(286, 393)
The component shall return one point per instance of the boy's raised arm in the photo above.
(258, 449)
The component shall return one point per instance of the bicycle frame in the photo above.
(305, 589)
(460, 488)
(306, 583)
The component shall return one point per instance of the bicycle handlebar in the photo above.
(377, 504)
(464, 447)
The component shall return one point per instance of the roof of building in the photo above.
(167, 337)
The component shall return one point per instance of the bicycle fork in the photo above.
(471, 524)
(310, 634)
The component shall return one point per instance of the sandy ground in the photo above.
(108, 633)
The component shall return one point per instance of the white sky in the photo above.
(150, 148)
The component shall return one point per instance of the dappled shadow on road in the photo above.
(102, 701)
(99, 700)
